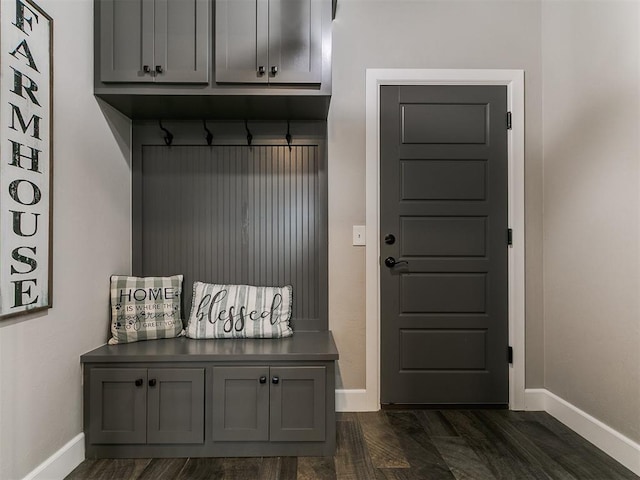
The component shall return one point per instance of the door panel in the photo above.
(443, 236)
(441, 349)
(182, 26)
(428, 293)
(295, 41)
(126, 43)
(241, 40)
(240, 407)
(298, 404)
(443, 195)
(176, 405)
(443, 180)
(118, 399)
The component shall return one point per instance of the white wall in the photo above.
(40, 376)
(421, 34)
(591, 105)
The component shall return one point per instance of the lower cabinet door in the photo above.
(175, 405)
(240, 408)
(298, 404)
(118, 405)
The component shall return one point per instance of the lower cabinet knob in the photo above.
(152, 382)
(139, 382)
(275, 380)
(263, 379)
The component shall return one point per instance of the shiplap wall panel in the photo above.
(235, 214)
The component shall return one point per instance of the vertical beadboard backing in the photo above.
(235, 214)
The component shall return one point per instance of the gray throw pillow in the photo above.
(145, 308)
(240, 311)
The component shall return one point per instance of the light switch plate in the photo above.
(359, 235)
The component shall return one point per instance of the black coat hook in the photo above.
(209, 136)
(168, 136)
(288, 135)
(249, 136)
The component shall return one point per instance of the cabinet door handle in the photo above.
(139, 382)
(275, 380)
(261, 70)
(146, 69)
(263, 379)
(274, 70)
(152, 382)
(158, 68)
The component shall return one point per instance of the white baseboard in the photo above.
(61, 463)
(613, 443)
(356, 400)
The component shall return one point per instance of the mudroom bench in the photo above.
(181, 397)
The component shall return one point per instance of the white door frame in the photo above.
(369, 398)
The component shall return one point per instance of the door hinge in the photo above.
(508, 120)
(509, 236)
(510, 354)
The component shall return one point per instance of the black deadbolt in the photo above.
(389, 239)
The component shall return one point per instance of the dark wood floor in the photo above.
(397, 444)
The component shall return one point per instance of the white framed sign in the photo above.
(26, 128)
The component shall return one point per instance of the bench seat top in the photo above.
(302, 346)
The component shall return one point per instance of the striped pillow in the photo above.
(240, 311)
(145, 308)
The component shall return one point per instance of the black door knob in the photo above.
(263, 379)
(152, 382)
(275, 380)
(391, 262)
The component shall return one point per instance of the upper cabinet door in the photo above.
(126, 40)
(181, 41)
(241, 41)
(295, 41)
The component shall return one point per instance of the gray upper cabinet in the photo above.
(162, 41)
(268, 41)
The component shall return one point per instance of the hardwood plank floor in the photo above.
(403, 445)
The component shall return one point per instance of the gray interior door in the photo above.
(443, 219)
